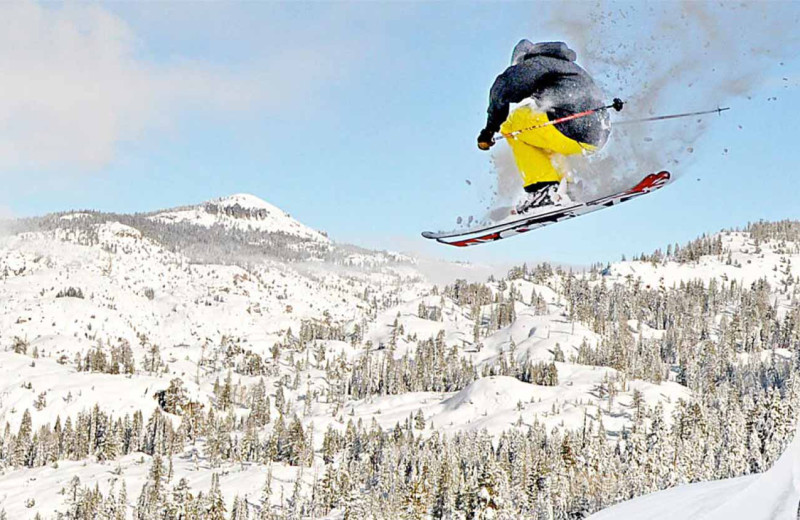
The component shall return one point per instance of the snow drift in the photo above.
(773, 495)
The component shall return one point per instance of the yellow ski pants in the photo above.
(535, 150)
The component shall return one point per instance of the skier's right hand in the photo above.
(485, 139)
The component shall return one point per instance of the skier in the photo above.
(547, 83)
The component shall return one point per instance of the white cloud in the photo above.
(74, 86)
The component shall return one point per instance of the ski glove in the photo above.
(485, 139)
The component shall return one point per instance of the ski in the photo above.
(525, 223)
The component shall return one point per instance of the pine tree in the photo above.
(296, 443)
(24, 443)
(239, 509)
(215, 507)
(266, 495)
(329, 496)
(419, 420)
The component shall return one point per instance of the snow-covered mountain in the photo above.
(241, 211)
(229, 342)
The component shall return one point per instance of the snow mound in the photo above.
(242, 211)
(490, 393)
(772, 495)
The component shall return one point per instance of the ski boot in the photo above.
(548, 194)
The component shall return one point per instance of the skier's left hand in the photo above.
(485, 139)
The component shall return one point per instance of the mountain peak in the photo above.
(245, 200)
(242, 211)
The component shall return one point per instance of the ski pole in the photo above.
(616, 105)
(672, 116)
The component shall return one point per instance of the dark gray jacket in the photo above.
(547, 72)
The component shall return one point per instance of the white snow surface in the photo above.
(772, 495)
(499, 403)
(69, 392)
(750, 262)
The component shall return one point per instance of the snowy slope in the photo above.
(498, 403)
(189, 301)
(67, 393)
(773, 495)
(747, 263)
(43, 485)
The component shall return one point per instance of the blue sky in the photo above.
(360, 118)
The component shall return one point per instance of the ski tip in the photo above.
(429, 234)
(652, 182)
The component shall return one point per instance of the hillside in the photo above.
(771, 495)
(228, 349)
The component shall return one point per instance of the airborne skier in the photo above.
(547, 83)
(559, 111)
